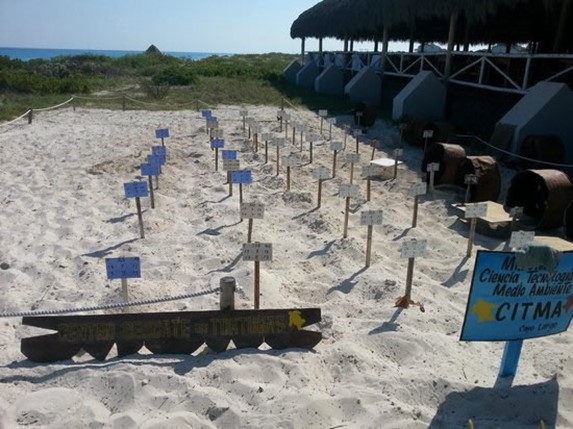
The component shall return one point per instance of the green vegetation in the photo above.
(161, 81)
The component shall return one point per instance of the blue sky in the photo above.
(223, 26)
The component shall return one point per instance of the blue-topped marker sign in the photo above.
(206, 113)
(507, 303)
(150, 169)
(123, 268)
(135, 189)
(242, 177)
(229, 154)
(159, 151)
(217, 144)
(156, 159)
(162, 133)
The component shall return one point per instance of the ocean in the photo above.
(26, 54)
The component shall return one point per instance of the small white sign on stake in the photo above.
(321, 173)
(336, 146)
(280, 114)
(470, 179)
(428, 134)
(257, 252)
(371, 170)
(398, 152)
(516, 211)
(231, 164)
(243, 113)
(312, 137)
(520, 239)
(266, 136)
(291, 161)
(357, 133)
(475, 210)
(348, 190)
(252, 210)
(323, 113)
(371, 217)
(331, 121)
(433, 166)
(413, 248)
(286, 116)
(278, 141)
(419, 189)
(352, 157)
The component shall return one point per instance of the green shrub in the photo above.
(174, 75)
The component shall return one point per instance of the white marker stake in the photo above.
(515, 212)
(411, 250)
(375, 145)
(294, 126)
(352, 158)
(369, 171)
(312, 138)
(320, 173)
(473, 211)
(370, 218)
(331, 121)
(303, 129)
(280, 114)
(347, 190)
(286, 118)
(335, 147)
(357, 134)
(432, 167)
(278, 142)
(427, 134)
(257, 252)
(469, 180)
(266, 137)
(252, 211)
(290, 161)
(322, 114)
(228, 166)
(397, 154)
(416, 190)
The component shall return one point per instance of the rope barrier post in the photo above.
(30, 115)
(227, 300)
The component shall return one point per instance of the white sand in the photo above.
(62, 211)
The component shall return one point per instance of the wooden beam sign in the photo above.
(352, 158)
(370, 218)
(411, 249)
(123, 268)
(169, 332)
(242, 177)
(521, 239)
(347, 191)
(290, 161)
(257, 252)
(217, 144)
(473, 211)
(321, 174)
(252, 211)
(369, 171)
(137, 190)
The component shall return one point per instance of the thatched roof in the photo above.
(479, 21)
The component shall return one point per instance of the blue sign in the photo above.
(508, 303)
(229, 154)
(206, 113)
(161, 133)
(123, 268)
(150, 169)
(156, 159)
(135, 189)
(217, 144)
(241, 176)
(159, 150)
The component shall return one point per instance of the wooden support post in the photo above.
(227, 299)
(415, 217)
(346, 212)
(249, 133)
(351, 172)
(156, 182)
(139, 217)
(257, 284)
(368, 188)
(240, 193)
(278, 159)
(301, 137)
(409, 278)
(124, 294)
(293, 136)
(311, 152)
(319, 192)
(334, 164)
(357, 144)
(472, 236)
(250, 230)
(244, 123)
(286, 129)
(369, 245)
(216, 159)
(321, 123)
(230, 184)
(266, 151)
(73, 104)
(151, 194)
(256, 139)
(451, 38)
(30, 115)
(288, 178)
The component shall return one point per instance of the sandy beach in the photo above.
(63, 211)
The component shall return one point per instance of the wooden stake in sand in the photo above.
(397, 154)
(157, 160)
(370, 218)
(411, 249)
(266, 137)
(150, 170)
(427, 135)
(347, 190)
(357, 134)
(290, 161)
(280, 114)
(242, 177)
(469, 180)
(321, 174)
(257, 252)
(294, 125)
(311, 137)
(370, 171)
(252, 211)
(256, 131)
(375, 144)
(217, 144)
(303, 130)
(352, 158)
(243, 114)
(137, 190)
(416, 190)
(278, 142)
(162, 133)
(323, 114)
(331, 122)
(515, 213)
(473, 211)
(123, 268)
(286, 119)
(229, 165)
(335, 147)
(431, 168)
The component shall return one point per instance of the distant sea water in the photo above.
(26, 54)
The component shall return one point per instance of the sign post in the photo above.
(311, 137)
(473, 211)
(397, 154)
(416, 190)
(518, 296)
(290, 161)
(137, 190)
(280, 114)
(469, 180)
(352, 158)
(256, 130)
(370, 218)
(427, 134)
(357, 134)
(243, 114)
(279, 142)
(335, 147)
(347, 191)
(162, 133)
(411, 250)
(157, 160)
(242, 177)
(303, 129)
(123, 268)
(431, 168)
(286, 119)
(217, 144)
(323, 114)
(294, 125)
(331, 122)
(370, 171)
(266, 137)
(375, 145)
(252, 211)
(257, 252)
(150, 170)
(321, 174)
(230, 165)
